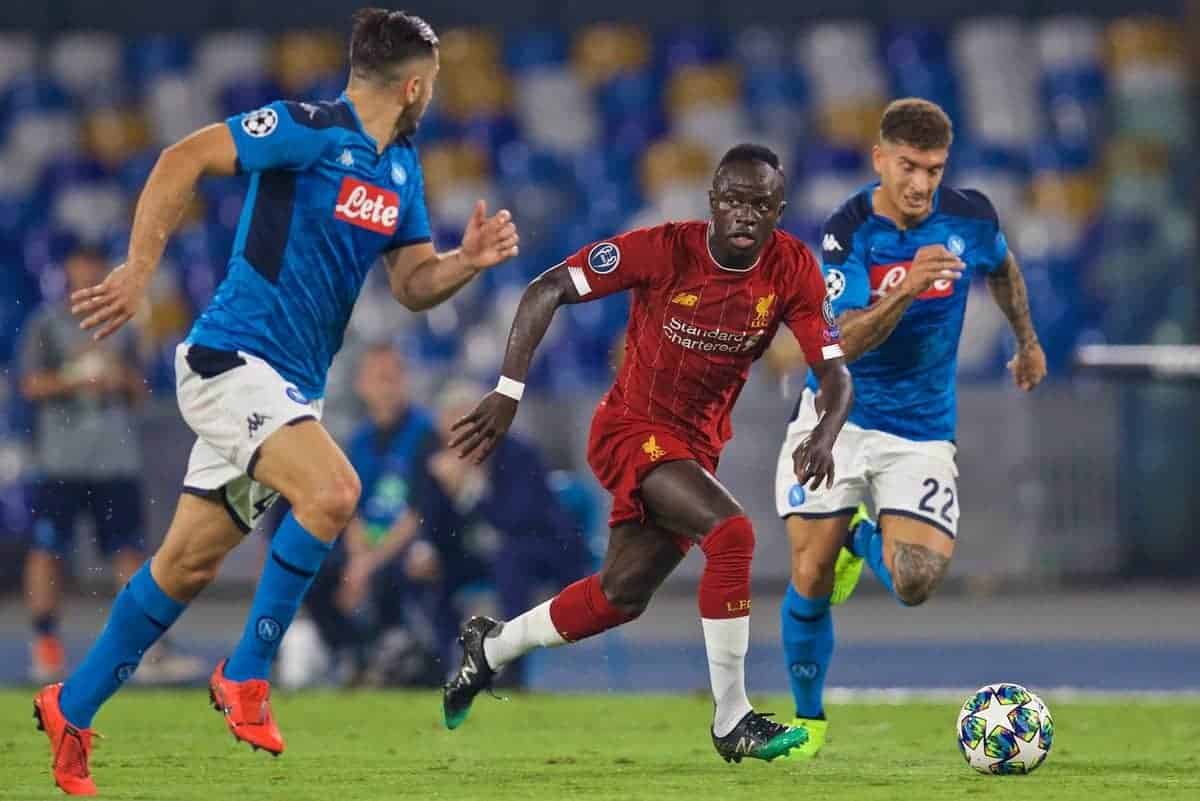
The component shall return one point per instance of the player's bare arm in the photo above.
(113, 302)
(813, 458)
(421, 278)
(866, 329)
(1007, 284)
(478, 432)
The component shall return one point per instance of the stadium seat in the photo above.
(301, 58)
(605, 51)
(85, 62)
(18, 56)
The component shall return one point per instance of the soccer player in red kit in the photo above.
(708, 298)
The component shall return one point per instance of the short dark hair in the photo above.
(382, 39)
(751, 152)
(918, 123)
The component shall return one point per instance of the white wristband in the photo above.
(510, 389)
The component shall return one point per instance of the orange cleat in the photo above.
(49, 659)
(70, 746)
(247, 709)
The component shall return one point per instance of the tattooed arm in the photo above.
(1028, 367)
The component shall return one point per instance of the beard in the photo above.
(407, 123)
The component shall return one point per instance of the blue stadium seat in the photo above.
(527, 50)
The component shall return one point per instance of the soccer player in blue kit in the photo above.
(334, 187)
(896, 257)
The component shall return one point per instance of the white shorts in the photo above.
(233, 401)
(890, 474)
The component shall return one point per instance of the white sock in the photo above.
(521, 635)
(726, 642)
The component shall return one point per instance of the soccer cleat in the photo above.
(816, 737)
(474, 674)
(247, 709)
(70, 746)
(758, 737)
(848, 568)
(49, 659)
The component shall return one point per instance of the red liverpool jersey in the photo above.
(696, 326)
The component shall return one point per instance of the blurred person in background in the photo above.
(88, 458)
(537, 543)
(386, 451)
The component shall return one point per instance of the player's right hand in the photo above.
(478, 432)
(111, 303)
(932, 263)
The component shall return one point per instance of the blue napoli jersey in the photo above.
(906, 386)
(322, 206)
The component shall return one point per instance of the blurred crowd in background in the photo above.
(1076, 128)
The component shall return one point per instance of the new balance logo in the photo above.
(830, 243)
(255, 422)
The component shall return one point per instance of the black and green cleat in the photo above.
(758, 737)
(474, 674)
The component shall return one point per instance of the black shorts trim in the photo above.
(289, 567)
(253, 462)
(807, 618)
(821, 515)
(241, 524)
(209, 362)
(207, 494)
(921, 518)
(298, 420)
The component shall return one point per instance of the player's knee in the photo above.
(335, 499)
(916, 572)
(733, 535)
(914, 588)
(811, 577)
(184, 575)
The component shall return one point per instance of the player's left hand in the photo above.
(112, 302)
(478, 432)
(487, 241)
(813, 462)
(1028, 367)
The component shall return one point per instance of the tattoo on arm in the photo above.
(917, 571)
(866, 329)
(1008, 288)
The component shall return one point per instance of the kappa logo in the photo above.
(260, 123)
(368, 206)
(603, 258)
(255, 422)
(830, 244)
(311, 109)
(762, 311)
(687, 299)
(346, 159)
(651, 448)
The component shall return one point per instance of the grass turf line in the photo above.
(375, 746)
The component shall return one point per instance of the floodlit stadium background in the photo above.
(1078, 545)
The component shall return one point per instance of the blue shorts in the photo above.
(114, 506)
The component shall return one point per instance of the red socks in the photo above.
(725, 583)
(582, 610)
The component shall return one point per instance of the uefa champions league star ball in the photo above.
(1004, 729)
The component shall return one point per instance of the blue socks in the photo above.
(868, 543)
(807, 647)
(292, 564)
(140, 615)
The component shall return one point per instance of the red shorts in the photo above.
(623, 451)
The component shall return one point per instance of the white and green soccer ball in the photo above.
(1004, 729)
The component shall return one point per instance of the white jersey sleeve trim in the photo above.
(580, 280)
(832, 352)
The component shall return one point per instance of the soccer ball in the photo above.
(1004, 729)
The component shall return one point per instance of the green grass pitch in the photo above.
(373, 746)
